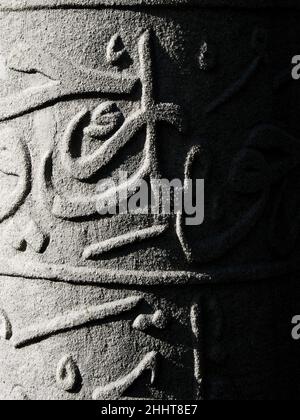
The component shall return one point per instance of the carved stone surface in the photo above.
(138, 306)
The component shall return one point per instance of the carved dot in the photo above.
(207, 57)
(68, 377)
(116, 53)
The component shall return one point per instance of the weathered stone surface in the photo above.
(143, 306)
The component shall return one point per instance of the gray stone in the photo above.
(145, 306)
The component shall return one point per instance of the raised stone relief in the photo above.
(158, 320)
(30, 235)
(15, 172)
(116, 389)
(85, 167)
(72, 320)
(5, 326)
(145, 306)
(67, 374)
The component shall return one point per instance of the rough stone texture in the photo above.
(138, 306)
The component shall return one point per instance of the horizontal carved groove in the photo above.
(21, 267)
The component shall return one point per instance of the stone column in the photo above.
(135, 305)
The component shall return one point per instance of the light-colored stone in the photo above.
(138, 306)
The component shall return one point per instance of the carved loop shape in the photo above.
(67, 374)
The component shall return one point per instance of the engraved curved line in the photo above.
(74, 81)
(18, 393)
(22, 267)
(133, 237)
(73, 208)
(235, 87)
(146, 70)
(192, 155)
(85, 167)
(116, 389)
(11, 204)
(210, 249)
(72, 320)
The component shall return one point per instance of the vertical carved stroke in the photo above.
(180, 220)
